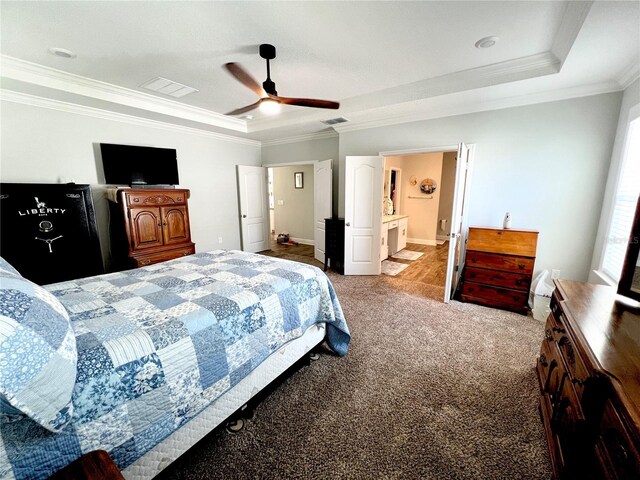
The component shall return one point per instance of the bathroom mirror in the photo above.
(629, 284)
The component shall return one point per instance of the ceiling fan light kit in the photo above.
(269, 101)
(269, 106)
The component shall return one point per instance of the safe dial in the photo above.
(46, 226)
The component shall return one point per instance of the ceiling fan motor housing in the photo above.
(268, 52)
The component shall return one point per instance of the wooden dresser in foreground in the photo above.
(589, 375)
(155, 225)
(498, 267)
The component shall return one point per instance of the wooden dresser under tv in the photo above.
(498, 267)
(153, 223)
(589, 376)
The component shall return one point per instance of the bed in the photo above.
(144, 363)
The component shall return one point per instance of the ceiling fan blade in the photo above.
(306, 102)
(248, 108)
(243, 77)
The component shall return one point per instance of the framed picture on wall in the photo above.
(298, 180)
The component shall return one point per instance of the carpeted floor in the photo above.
(427, 391)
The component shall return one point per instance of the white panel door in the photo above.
(458, 221)
(363, 215)
(322, 192)
(254, 208)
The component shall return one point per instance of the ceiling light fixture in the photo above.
(269, 106)
(487, 42)
(62, 52)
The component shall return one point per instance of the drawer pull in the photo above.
(474, 260)
(516, 298)
(621, 453)
(518, 282)
(548, 335)
(521, 266)
(543, 360)
(184, 254)
(577, 381)
(558, 330)
(145, 262)
(472, 275)
(136, 200)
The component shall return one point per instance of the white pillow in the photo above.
(38, 352)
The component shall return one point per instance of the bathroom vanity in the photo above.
(394, 235)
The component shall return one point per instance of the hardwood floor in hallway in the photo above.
(430, 269)
(424, 277)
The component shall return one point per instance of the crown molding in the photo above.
(300, 138)
(24, 71)
(504, 72)
(629, 75)
(570, 26)
(426, 112)
(35, 101)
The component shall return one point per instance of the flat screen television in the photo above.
(136, 165)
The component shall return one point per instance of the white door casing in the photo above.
(363, 214)
(254, 208)
(458, 221)
(322, 206)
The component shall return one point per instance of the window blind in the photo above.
(624, 207)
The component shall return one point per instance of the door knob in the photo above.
(347, 224)
(244, 216)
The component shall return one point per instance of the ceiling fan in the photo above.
(269, 100)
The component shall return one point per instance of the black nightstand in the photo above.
(334, 244)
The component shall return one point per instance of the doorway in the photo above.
(409, 209)
(418, 195)
(303, 190)
(291, 199)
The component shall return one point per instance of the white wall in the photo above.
(306, 151)
(545, 163)
(630, 101)
(295, 216)
(51, 146)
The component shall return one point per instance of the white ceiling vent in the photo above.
(168, 87)
(334, 121)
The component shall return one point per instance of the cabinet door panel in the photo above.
(146, 227)
(402, 234)
(175, 224)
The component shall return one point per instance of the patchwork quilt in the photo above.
(156, 345)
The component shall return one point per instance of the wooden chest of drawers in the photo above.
(589, 376)
(498, 267)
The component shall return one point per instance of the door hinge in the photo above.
(456, 268)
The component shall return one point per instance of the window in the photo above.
(624, 206)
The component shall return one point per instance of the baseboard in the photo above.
(303, 241)
(421, 241)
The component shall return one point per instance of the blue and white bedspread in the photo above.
(158, 344)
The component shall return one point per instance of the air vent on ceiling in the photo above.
(168, 87)
(334, 121)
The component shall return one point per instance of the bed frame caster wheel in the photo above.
(314, 356)
(236, 425)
